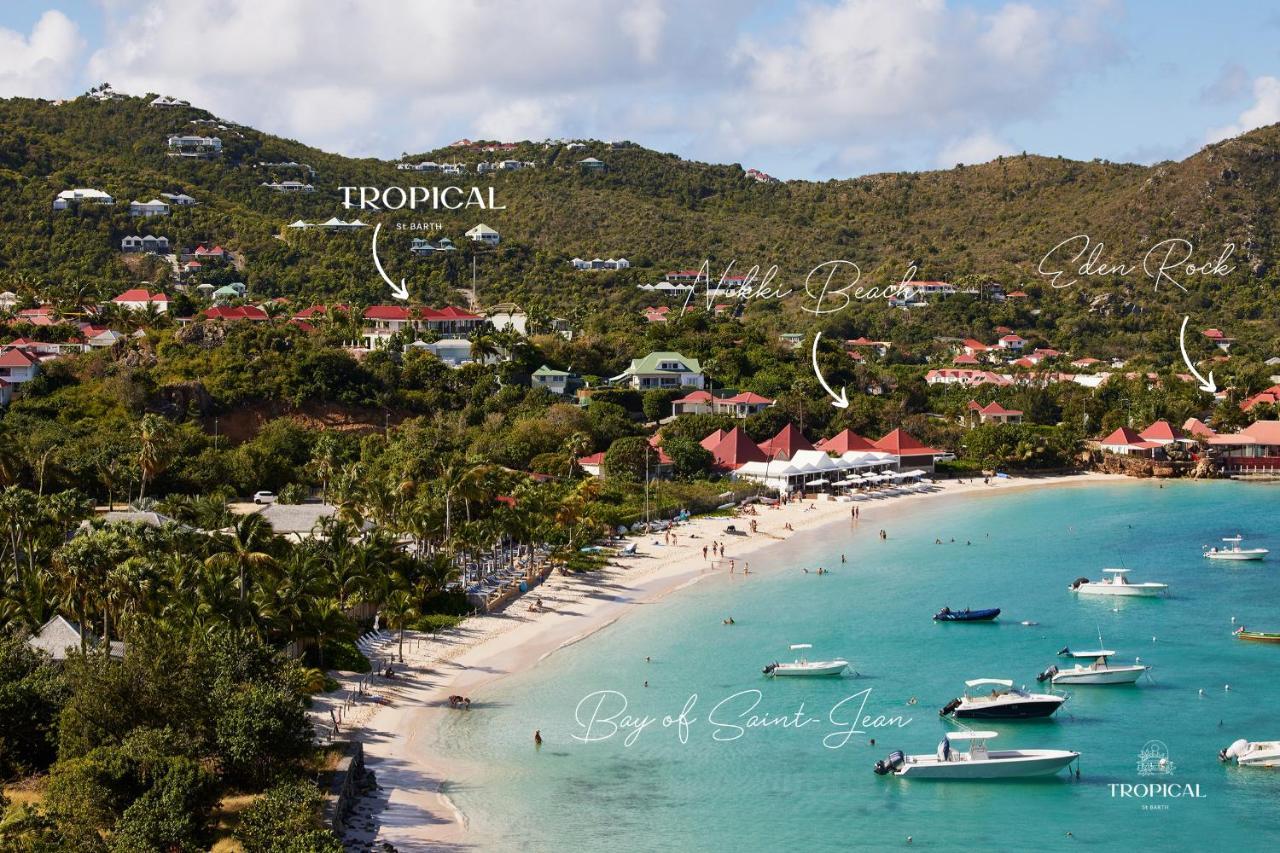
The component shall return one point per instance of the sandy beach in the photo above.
(411, 810)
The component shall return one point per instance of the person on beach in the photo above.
(842, 559)
(704, 552)
(731, 565)
(537, 739)
(746, 568)
(729, 621)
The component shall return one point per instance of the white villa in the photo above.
(138, 299)
(155, 207)
(149, 244)
(598, 264)
(71, 198)
(195, 146)
(289, 187)
(179, 199)
(484, 234)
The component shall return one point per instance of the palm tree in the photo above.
(247, 552)
(155, 437)
(326, 621)
(483, 347)
(399, 610)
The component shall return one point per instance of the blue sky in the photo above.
(799, 89)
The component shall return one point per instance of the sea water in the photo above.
(700, 776)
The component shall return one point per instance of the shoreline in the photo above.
(411, 809)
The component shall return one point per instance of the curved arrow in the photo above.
(1205, 384)
(840, 401)
(400, 292)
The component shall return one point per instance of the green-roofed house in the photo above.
(556, 381)
(662, 370)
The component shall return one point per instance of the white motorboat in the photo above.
(977, 762)
(1233, 551)
(1003, 702)
(1263, 753)
(1117, 583)
(1101, 671)
(802, 666)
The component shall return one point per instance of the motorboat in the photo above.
(1101, 671)
(1003, 702)
(1233, 551)
(801, 666)
(1263, 753)
(977, 762)
(1117, 583)
(1256, 636)
(946, 614)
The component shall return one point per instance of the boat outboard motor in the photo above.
(768, 670)
(1076, 584)
(1064, 651)
(949, 707)
(1233, 751)
(1047, 674)
(890, 764)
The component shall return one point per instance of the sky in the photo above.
(810, 89)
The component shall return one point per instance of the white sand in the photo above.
(410, 811)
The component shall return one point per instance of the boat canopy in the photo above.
(796, 646)
(1095, 653)
(998, 682)
(971, 735)
(1117, 571)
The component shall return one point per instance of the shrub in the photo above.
(259, 731)
(173, 815)
(285, 820)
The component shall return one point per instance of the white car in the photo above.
(264, 497)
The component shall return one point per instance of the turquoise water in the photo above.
(774, 788)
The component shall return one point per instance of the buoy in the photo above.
(1226, 687)
(1201, 691)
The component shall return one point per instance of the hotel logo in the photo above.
(1154, 760)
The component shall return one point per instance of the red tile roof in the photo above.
(736, 449)
(901, 443)
(1196, 427)
(695, 397)
(240, 312)
(1161, 431)
(140, 294)
(992, 408)
(964, 358)
(17, 358)
(1123, 436)
(710, 442)
(748, 398)
(788, 440)
(844, 441)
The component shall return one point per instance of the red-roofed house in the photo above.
(741, 405)
(1017, 294)
(383, 321)
(994, 413)
(694, 403)
(736, 449)
(1197, 428)
(1269, 397)
(239, 312)
(138, 299)
(964, 359)
(910, 452)
(881, 347)
(1256, 447)
(656, 314)
(1219, 339)
(593, 464)
(18, 366)
(1085, 362)
(844, 441)
(1162, 432)
(1024, 362)
(785, 444)
(1013, 342)
(211, 253)
(1126, 442)
(974, 347)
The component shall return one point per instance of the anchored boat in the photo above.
(977, 762)
(1101, 671)
(1233, 551)
(1003, 702)
(1256, 636)
(802, 666)
(946, 614)
(1262, 753)
(1117, 583)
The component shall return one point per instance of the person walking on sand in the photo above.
(731, 565)
(704, 552)
(537, 739)
(746, 568)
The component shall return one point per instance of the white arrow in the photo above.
(840, 401)
(401, 292)
(1205, 385)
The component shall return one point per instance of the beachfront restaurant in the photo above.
(815, 470)
(1254, 449)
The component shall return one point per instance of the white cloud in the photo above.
(42, 64)
(862, 70)
(1264, 110)
(976, 148)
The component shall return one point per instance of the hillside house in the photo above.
(146, 244)
(179, 199)
(591, 164)
(138, 299)
(741, 405)
(73, 198)
(18, 366)
(662, 370)
(965, 376)
(155, 207)
(484, 234)
(288, 186)
(556, 381)
(993, 413)
(195, 146)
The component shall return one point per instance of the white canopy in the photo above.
(796, 646)
(996, 682)
(971, 735)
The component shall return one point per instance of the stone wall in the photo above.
(345, 784)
